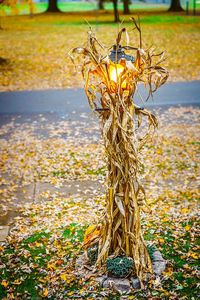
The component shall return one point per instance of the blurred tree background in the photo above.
(12, 7)
(36, 35)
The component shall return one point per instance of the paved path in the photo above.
(72, 102)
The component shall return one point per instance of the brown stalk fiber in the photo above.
(121, 227)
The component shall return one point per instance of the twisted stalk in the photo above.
(121, 228)
(121, 232)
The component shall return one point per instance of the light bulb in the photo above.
(114, 72)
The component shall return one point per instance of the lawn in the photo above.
(34, 50)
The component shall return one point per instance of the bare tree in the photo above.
(53, 6)
(126, 7)
(175, 6)
(100, 4)
(116, 13)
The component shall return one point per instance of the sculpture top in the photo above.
(117, 53)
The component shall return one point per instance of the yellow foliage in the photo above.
(184, 210)
(45, 293)
(187, 228)
(193, 255)
(17, 282)
(4, 283)
(91, 234)
(161, 240)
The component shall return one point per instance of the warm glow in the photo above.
(114, 72)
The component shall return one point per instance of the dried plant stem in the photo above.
(120, 232)
(121, 229)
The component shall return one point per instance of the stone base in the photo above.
(118, 284)
(121, 285)
(124, 285)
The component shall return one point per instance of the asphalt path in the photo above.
(72, 103)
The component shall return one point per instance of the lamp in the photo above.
(110, 83)
(117, 53)
(117, 66)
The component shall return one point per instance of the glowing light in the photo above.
(115, 72)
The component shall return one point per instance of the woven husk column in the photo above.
(119, 232)
(121, 228)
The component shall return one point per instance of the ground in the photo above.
(34, 55)
(46, 159)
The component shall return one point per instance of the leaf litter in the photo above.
(34, 49)
(37, 259)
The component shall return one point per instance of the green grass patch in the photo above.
(99, 171)
(81, 19)
(80, 7)
(74, 232)
(38, 236)
(26, 263)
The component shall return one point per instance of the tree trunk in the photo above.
(100, 4)
(52, 7)
(175, 6)
(126, 7)
(116, 13)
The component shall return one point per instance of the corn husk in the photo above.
(121, 232)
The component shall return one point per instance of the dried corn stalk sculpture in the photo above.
(110, 87)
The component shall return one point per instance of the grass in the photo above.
(35, 250)
(34, 52)
(180, 282)
(171, 249)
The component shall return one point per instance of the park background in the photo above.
(52, 159)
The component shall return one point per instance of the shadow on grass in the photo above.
(5, 64)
